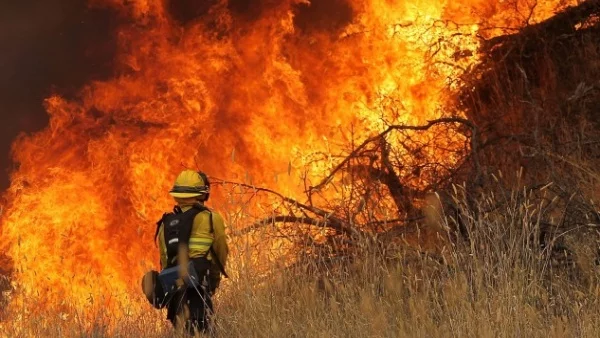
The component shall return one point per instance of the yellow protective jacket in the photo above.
(201, 238)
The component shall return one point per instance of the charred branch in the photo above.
(291, 219)
(329, 220)
(374, 162)
(393, 182)
(563, 23)
(374, 139)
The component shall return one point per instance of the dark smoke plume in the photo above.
(48, 46)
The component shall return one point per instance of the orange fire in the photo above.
(248, 96)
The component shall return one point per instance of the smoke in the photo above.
(310, 15)
(185, 11)
(51, 46)
(323, 15)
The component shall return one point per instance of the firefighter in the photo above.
(193, 255)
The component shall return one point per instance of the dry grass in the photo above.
(499, 284)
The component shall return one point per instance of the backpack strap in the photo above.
(158, 224)
(186, 231)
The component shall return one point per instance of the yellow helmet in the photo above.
(190, 183)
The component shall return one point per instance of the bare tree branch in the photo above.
(562, 23)
(281, 219)
(331, 221)
(391, 128)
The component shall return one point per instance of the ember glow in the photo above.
(245, 95)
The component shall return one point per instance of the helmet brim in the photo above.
(184, 194)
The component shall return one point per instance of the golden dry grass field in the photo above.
(500, 284)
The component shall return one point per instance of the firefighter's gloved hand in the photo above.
(180, 282)
(183, 276)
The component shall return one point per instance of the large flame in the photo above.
(243, 94)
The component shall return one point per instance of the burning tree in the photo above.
(523, 110)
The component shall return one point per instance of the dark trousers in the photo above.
(197, 299)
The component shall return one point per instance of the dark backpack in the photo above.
(178, 228)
